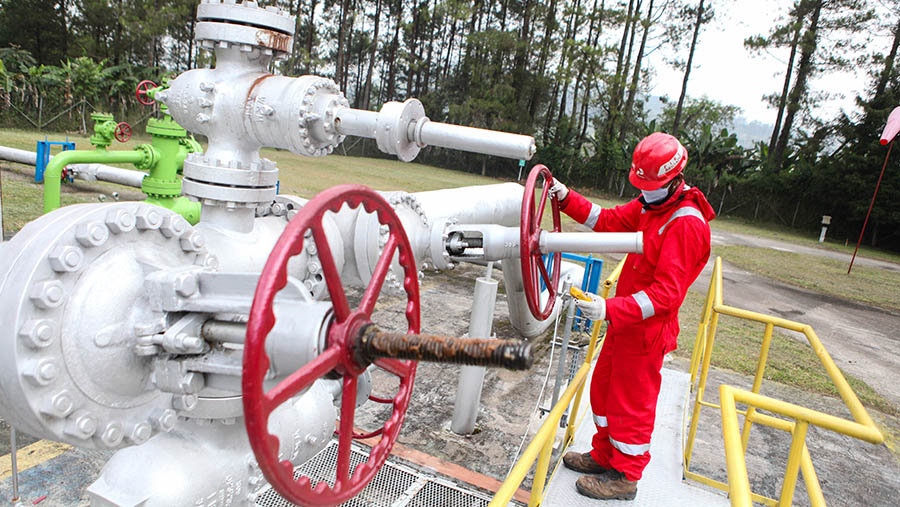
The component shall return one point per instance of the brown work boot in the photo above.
(612, 486)
(583, 463)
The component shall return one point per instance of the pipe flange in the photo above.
(392, 128)
(317, 131)
(245, 26)
(198, 167)
(75, 299)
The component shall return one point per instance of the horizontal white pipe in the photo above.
(488, 142)
(499, 204)
(592, 242)
(356, 122)
(86, 172)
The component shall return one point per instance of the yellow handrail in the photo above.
(799, 461)
(541, 445)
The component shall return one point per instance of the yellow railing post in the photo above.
(757, 382)
(540, 474)
(798, 443)
(738, 482)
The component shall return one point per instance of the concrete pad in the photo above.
(662, 482)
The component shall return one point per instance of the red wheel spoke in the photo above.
(545, 276)
(367, 304)
(348, 407)
(332, 276)
(541, 206)
(300, 379)
(395, 366)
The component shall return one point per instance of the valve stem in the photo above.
(374, 343)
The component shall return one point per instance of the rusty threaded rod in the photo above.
(373, 343)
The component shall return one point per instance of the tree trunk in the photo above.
(339, 67)
(804, 68)
(687, 69)
(888, 64)
(310, 36)
(392, 69)
(367, 92)
(614, 90)
(549, 27)
(632, 91)
(782, 101)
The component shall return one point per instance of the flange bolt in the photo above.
(112, 433)
(47, 294)
(42, 373)
(91, 234)
(58, 405)
(120, 221)
(66, 258)
(148, 219)
(163, 419)
(173, 226)
(192, 242)
(140, 433)
(37, 333)
(186, 284)
(81, 424)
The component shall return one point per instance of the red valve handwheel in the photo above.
(142, 92)
(338, 354)
(533, 268)
(122, 132)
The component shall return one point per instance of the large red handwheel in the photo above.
(533, 268)
(122, 132)
(338, 355)
(142, 92)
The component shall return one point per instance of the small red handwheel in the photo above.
(533, 268)
(122, 132)
(142, 92)
(338, 355)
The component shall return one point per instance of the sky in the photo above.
(726, 72)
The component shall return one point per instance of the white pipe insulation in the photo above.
(85, 172)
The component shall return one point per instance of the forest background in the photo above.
(572, 73)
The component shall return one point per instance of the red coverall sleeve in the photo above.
(683, 250)
(624, 218)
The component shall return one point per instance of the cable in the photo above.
(541, 395)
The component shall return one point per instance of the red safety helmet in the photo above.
(657, 160)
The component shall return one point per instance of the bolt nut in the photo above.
(192, 241)
(163, 419)
(111, 434)
(81, 424)
(59, 405)
(192, 382)
(184, 402)
(91, 234)
(139, 433)
(173, 226)
(120, 221)
(148, 219)
(38, 333)
(207, 86)
(47, 294)
(278, 209)
(66, 258)
(186, 284)
(41, 373)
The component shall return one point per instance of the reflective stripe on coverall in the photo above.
(643, 316)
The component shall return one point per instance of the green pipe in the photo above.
(53, 172)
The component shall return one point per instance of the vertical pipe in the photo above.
(798, 444)
(566, 337)
(738, 482)
(15, 466)
(757, 382)
(471, 378)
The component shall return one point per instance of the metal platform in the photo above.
(395, 485)
(662, 483)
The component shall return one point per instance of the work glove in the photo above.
(559, 190)
(595, 309)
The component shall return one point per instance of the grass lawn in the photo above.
(867, 285)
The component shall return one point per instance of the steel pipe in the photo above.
(86, 172)
(471, 378)
(592, 242)
(487, 142)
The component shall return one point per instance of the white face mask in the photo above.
(654, 196)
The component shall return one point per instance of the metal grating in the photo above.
(393, 486)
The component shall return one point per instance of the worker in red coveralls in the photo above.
(643, 316)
